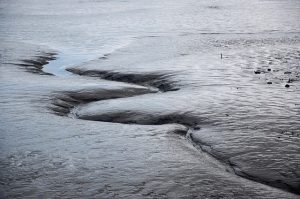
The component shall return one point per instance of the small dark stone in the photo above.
(287, 86)
(197, 128)
(287, 72)
(269, 82)
(269, 69)
(257, 72)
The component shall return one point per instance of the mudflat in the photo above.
(160, 99)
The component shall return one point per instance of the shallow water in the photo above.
(151, 99)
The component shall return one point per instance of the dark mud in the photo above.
(160, 81)
(36, 65)
(65, 101)
(131, 117)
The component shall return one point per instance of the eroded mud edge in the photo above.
(233, 168)
(157, 80)
(36, 65)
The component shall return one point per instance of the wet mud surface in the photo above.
(245, 164)
(178, 114)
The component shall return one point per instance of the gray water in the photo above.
(150, 99)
